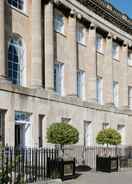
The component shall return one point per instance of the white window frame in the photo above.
(99, 90)
(130, 97)
(115, 50)
(59, 21)
(129, 58)
(99, 43)
(17, 42)
(81, 84)
(59, 78)
(116, 93)
(81, 33)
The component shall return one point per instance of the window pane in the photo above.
(130, 58)
(81, 84)
(130, 97)
(115, 93)
(99, 92)
(115, 50)
(15, 61)
(58, 78)
(80, 33)
(17, 3)
(10, 74)
(99, 43)
(10, 65)
(22, 116)
(59, 22)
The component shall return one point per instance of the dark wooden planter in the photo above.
(64, 169)
(106, 164)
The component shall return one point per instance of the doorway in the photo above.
(41, 129)
(19, 136)
(23, 131)
(88, 133)
(2, 128)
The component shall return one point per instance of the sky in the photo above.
(123, 5)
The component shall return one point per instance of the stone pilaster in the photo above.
(71, 68)
(2, 39)
(108, 72)
(91, 66)
(10, 126)
(49, 46)
(36, 69)
(123, 90)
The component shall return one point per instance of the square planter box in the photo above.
(64, 169)
(123, 162)
(106, 164)
(130, 162)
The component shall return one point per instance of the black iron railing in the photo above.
(26, 165)
(87, 155)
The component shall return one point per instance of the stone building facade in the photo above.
(64, 60)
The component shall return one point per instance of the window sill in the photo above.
(58, 94)
(116, 106)
(18, 10)
(17, 86)
(82, 44)
(130, 65)
(100, 52)
(100, 104)
(115, 60)
(60, 33)
(83, 99)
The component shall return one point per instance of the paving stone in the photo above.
(92, 177)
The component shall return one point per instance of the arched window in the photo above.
(17, 3)
(15, 60)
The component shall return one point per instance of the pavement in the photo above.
(93, 177)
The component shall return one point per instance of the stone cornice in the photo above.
(42, 94)
(110, 13)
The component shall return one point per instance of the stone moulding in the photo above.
(110, 13)
(105, 10)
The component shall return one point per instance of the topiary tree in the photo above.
(109, 137)
(62, 133)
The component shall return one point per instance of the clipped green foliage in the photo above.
(108, 136)
(62, 133)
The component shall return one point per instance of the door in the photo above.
(19, 136)
(23, 131)
(2, 128)
(41, 117)
(87, 133)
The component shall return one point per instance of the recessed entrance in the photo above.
(22, 130)
(87, 133)
(19, 136)
(2, 127)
